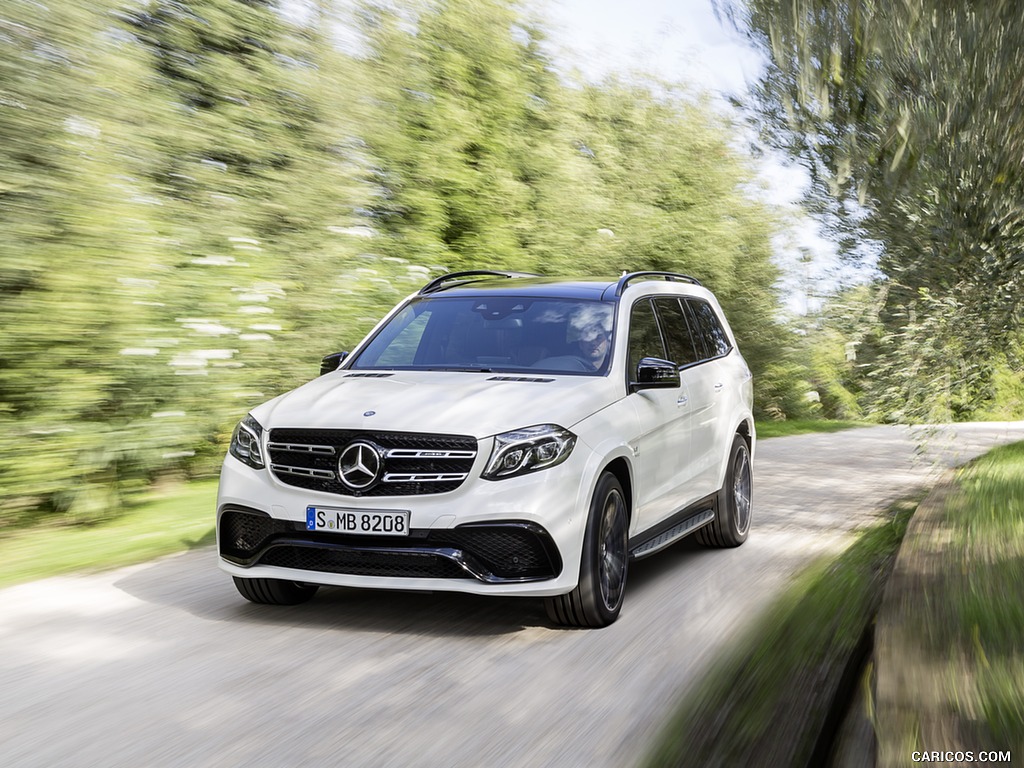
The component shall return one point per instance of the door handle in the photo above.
(719, 386)
(683, 400)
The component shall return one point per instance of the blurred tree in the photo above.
(74, 260)
(245, 152)
(452, 103)
(909, 116)
(201, 198)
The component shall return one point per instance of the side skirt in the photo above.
(681, 524)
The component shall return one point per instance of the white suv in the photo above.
(499, 433)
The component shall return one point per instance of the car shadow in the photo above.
(643, 574)
(193, 583)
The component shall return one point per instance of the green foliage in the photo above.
(785, 393)
(201, 199)
(1006, 397)
(953, 626)
(909, 116)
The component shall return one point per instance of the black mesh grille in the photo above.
(364, 562)
(318, 470)
(244, 531)
(506, 551)
(503, 550)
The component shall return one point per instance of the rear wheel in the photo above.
(274, 591)
(735, 500)
(597, 599)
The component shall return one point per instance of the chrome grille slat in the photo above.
(408, 453)
(426, 477)
(326, 450)
(326, 474)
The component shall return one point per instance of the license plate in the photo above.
(364, 522)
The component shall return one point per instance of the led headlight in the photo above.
(528, 450)
(245, 443)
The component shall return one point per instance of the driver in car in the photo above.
(594, 342)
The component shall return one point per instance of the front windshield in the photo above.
(494, 334)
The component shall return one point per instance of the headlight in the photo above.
(245, 443)
(528, 450)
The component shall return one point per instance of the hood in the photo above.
(438, 401)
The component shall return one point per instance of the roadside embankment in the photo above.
(778, 698)
(949, 657)
(903, 644)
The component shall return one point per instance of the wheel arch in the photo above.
(623, 472)
(745, 429)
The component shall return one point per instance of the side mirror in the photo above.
(331, 362)
(653, 373)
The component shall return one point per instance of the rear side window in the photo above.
(709, 329)
(674, 325)
(644, 336)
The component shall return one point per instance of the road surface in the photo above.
(164, 664)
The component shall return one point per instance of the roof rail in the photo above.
(676, 277)
(438, 283)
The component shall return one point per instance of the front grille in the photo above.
(495, 552)
(410, 463)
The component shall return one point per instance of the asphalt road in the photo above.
(163, 664)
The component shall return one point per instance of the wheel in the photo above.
(597, 599)
(732, 515)
(274, 591)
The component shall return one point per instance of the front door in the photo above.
(662, 445)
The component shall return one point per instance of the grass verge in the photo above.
(166, 522)
(767, 702)
(950, 655)
(789, 427)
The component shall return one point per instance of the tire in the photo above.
(735, 501)
(274, 591)
(597, 599)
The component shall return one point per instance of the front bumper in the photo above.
(493, 553)
(520, 536)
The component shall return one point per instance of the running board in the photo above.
(673, 534)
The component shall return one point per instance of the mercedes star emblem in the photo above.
(360, 465)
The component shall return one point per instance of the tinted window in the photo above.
(709, 328)
(677, 331)
(644, 336)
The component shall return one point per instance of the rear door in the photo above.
(711, 384)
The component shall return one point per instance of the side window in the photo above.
(709, 328)
(681, 348)
(644, 336)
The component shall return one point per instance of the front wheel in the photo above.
(274, 591)
(597, 599)
(732, 515)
